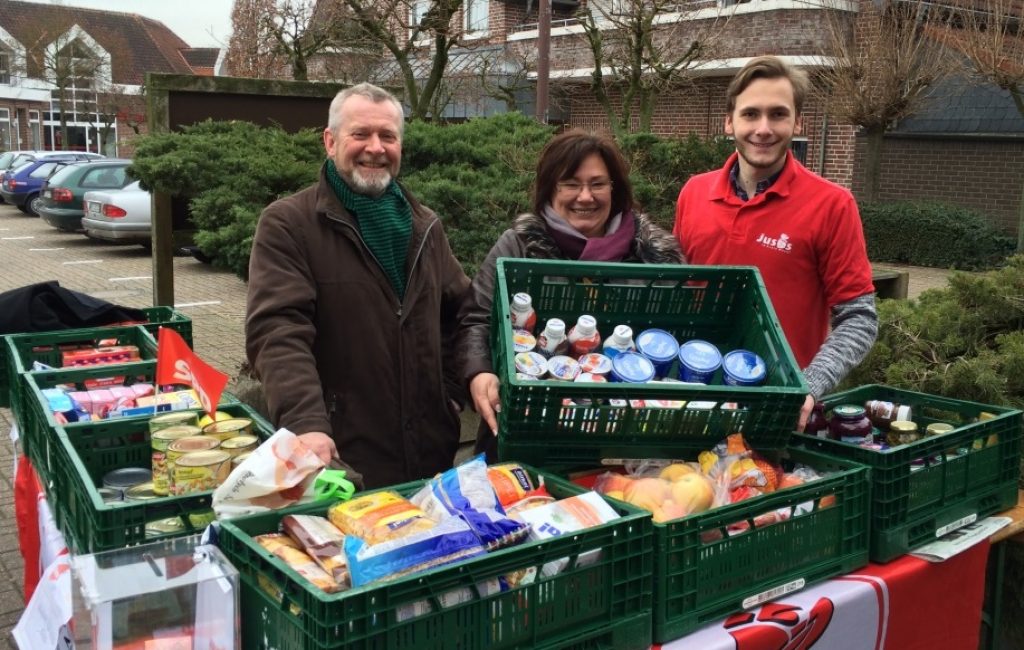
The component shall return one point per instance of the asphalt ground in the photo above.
(32, 251)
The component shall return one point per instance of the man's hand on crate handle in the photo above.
(484, 389)
(805, 412)
(320, 444)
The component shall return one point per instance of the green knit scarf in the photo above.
(385, 223)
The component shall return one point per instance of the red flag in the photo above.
(176, 363)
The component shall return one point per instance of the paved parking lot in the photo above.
(30, 252)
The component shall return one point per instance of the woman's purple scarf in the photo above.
(614, 246)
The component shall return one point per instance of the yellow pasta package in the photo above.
(379, 517)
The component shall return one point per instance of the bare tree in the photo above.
(301, 30)
(990, 34)
(413, 31)
(886, 59)
(251, 48)
(505, 76)
(642, 48)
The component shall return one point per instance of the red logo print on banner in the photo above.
(801, 634)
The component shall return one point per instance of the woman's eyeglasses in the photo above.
(574, 188)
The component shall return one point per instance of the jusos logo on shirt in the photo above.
(781, 243)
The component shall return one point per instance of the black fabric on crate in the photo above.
(47, 306)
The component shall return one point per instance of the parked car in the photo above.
(60, 198)
(21, 186)
(120, 216)
(21, 157)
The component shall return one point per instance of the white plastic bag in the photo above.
(279, 473)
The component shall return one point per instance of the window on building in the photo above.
(5, 67)
(35, 130)
(476, 14)
(417, 11)
(799, 148)
(6, 133)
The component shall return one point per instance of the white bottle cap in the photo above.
(522, 302)
(555, 328)
(623, 335)
(586, 325)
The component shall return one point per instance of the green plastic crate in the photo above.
(79, 459)
(705, 574)
(919, 490)
(605, 604)
(727, 306)
(155, 317)
(21, 350)
(38, 433)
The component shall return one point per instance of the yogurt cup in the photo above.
(632, 368)
(531, 363)
(743, 368)
(563, 368)
(698, 361)
(594, 363)
(523, 341)
(660, 347)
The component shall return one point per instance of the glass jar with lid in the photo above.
(902, 432)
(850, 423)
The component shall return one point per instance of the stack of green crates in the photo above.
(925, 489)
(79, 458)
(39, 432)
(603, 602)
(22, 350)
(156, 317)
(706, 567)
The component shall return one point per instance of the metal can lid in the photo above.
(141, 492)
(110, 495)
(193, 443)
(202, 458)
(903, 426)
(237, 460)
(176, 432)
(938, 428)
(174, 417)
(227, 426)
(700, 356)
(531, 363)
(744, 366)
(239, 442)
(657, 345)
(126, 477)
(848, 411)
(168, 526)
(633, 367)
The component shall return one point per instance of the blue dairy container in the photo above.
(698, 361)
(632, 368)
(660, 347)
(743, 368)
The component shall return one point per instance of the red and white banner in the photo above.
(908, 604)
(176, 363)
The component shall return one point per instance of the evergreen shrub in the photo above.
(932, 234)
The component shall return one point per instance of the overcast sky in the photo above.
(200, 23)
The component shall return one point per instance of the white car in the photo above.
(121, 216)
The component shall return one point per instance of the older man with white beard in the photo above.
(353, 297)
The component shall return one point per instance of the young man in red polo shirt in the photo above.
(804, 233)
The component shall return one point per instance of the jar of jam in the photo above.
(850, 423)
(902, 432)
(937, 428)
(882, 413)
(817, 425)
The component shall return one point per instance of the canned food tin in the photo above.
(199, 471)
(165, 527)
(239, 459)
(141, 492)
(160, 440)
(110, 495)
(201, 519)
(173, 419)
(225, 429)
(239, 444)
(125, 477)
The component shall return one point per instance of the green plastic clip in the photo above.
(332, 484)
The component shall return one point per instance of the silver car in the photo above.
(120, 216)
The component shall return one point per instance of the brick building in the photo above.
(86, 65)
